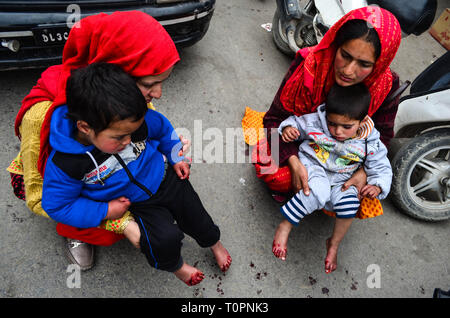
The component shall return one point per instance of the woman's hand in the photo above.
(358, 180)
(299, 175)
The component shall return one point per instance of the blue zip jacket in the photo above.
(80, 180)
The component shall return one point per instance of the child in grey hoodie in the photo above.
(335, 142)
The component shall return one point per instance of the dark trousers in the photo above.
(161, 238)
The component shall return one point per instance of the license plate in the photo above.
(48, 36)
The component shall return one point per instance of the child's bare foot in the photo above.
(190, 275)
(280, 240)
(133, 233)
(331, 258)
(223, 258)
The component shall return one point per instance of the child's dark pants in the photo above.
(175, 200)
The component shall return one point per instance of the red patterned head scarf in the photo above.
(307, 87)
(133, 40)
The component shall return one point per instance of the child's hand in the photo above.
(186, 145)
(182, 169)
(370, 191)
(290, 134)
(117, 208)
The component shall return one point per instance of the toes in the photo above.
(329, 267)
(222, 256)
(226, 266)
(195, 278)
(278, 251)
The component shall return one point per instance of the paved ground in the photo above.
(234, 66)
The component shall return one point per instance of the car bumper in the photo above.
(186, 23)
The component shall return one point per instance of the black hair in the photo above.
(102, 93)
(358, 29)
(351, 101)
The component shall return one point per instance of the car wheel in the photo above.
(421, 181)
(277, 35)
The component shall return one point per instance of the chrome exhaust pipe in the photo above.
(13, 45)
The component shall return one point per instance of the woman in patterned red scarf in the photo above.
(358, 48)
(141, 47)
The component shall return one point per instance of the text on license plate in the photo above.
(51, 36)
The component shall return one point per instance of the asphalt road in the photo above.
(234, 66)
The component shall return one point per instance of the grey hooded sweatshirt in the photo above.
(340, 159)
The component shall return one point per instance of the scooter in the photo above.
(296, 26)
(421, 166)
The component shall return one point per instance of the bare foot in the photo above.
(190, 275)
(331, 258)
(280, 240)
(133, 233)
(223, 258)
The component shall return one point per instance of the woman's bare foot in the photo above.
(331, 258)
(280, 240)
(190, 275)
(222, 256)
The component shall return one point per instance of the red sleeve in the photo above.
(276, 114)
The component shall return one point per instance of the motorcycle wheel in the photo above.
(421, 168)
(277, 37)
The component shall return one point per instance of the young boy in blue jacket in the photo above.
(112, 154)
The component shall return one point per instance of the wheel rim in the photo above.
(281, 32)
(428, 180)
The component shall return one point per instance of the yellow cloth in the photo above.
(252, 125)
(25, 164)
(117, 225)
(30, 131)
(16, 165)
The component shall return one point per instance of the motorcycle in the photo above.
(295, 26)
(421, 166)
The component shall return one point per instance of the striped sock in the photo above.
(347, 207)
(294, 210)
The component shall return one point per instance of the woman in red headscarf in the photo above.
(141, 46)
(358, 48)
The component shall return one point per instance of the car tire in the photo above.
(421, 170)
(281, 44)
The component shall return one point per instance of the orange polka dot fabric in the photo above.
(369, 208)
(252, 125)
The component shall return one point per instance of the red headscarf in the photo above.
(133, 40)
(307, 87)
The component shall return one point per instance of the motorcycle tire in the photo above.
(280, 43)
(421, 170)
